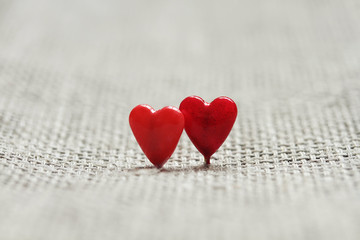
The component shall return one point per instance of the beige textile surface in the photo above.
(71, 71)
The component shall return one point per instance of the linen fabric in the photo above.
(71, 71)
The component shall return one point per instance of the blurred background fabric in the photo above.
(71, 71)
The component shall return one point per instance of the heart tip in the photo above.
(158, 166)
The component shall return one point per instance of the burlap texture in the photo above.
(71, 71)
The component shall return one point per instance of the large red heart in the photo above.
(157, 132)
(208, 125)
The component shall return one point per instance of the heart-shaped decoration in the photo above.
(208, 124)
(157, 132)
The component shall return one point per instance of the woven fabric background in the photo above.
(71, 71)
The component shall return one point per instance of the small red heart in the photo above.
(208, 125)
(157, 132)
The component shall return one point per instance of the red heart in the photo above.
(157, 132)
(208, 125)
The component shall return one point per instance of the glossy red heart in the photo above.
(157, 132)
(208, 124)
